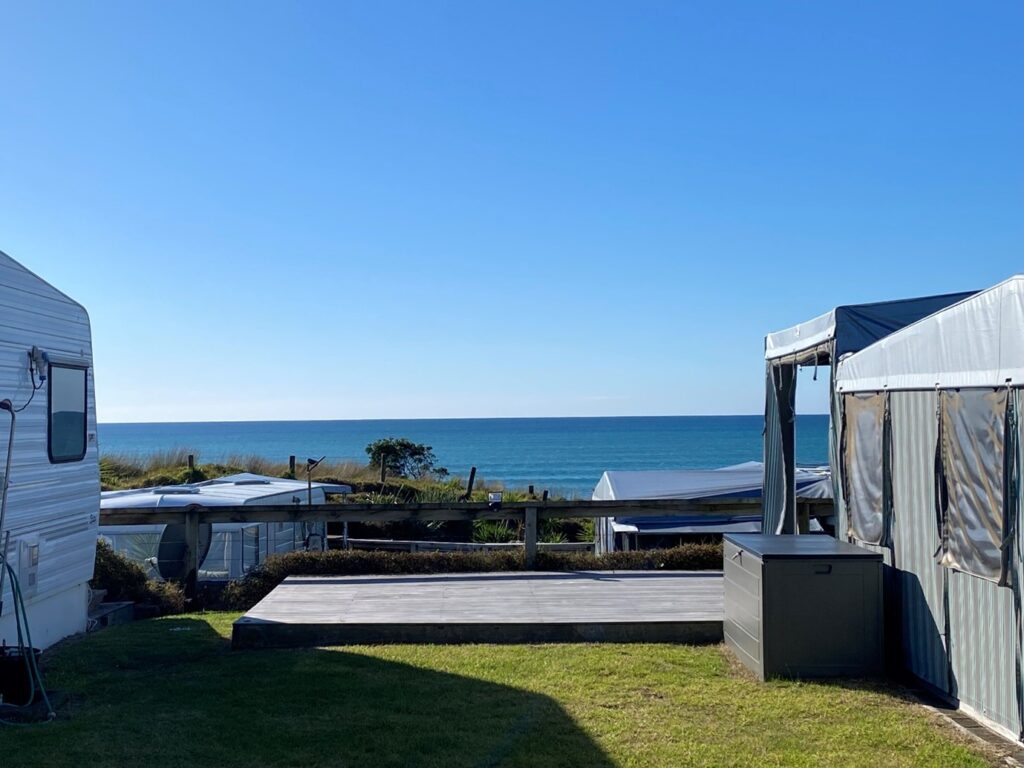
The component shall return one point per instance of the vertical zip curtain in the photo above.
(863, 452)
(779, 493)
(972, 450)
(835, 453)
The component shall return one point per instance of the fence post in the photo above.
(530, 536)
(191, 467)
(191, 551)
(803, 518)
(468, 495)
(291, 467)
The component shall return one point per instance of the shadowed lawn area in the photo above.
(170, 692)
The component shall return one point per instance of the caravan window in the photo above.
(66, 424)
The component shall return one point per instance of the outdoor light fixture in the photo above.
(494, 500)
(38, 359)
(311, 464)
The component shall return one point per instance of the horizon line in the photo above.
(451, 418)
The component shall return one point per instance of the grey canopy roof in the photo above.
(975, 343)
(823, 340)
(852, 327)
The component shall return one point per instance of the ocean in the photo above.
(563, 455)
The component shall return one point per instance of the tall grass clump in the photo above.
(171, 457)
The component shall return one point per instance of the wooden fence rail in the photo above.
(530, 513)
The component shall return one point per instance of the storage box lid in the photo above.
(791, 546)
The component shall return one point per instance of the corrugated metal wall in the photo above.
(915, 537)
(977, 662)
(983, 648)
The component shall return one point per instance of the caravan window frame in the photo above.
(49, 413)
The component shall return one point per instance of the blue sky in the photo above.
(382, 209)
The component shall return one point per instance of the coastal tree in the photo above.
(401, 457)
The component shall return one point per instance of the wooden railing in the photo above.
(526, 512)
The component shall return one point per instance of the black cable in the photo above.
(32, 373)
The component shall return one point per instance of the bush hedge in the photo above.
(125, 580)
(246, 592)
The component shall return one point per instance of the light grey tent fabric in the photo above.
(835, 458)
(972, 653)
(972, 426)
(982, 626)
(863, 445)
(778, 502)
(774, 492)
(916, 538)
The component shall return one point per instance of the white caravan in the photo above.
(50, 460)
(230, 549)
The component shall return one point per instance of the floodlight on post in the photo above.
(311, 464)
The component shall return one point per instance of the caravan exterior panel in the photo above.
(53, 508)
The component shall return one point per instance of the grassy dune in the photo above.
(124, 471)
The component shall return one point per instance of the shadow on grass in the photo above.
(170, 693)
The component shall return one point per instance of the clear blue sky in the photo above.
(381, 209)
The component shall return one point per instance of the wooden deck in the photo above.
(530, 607)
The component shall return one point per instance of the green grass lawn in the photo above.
(170, 692)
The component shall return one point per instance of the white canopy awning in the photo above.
(978, 342)
(850, 328)
(800, 338)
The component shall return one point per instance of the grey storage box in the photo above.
(803, 606)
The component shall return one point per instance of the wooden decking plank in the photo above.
(506, 607)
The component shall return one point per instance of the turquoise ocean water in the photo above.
(566, 455)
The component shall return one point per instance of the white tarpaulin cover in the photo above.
(978, 342)
(227, 491)
(737, 481)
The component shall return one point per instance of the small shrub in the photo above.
(257, 584)
(440, 493)
(125, 580)
(494, 531)
(585, 529)
(401, 457)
